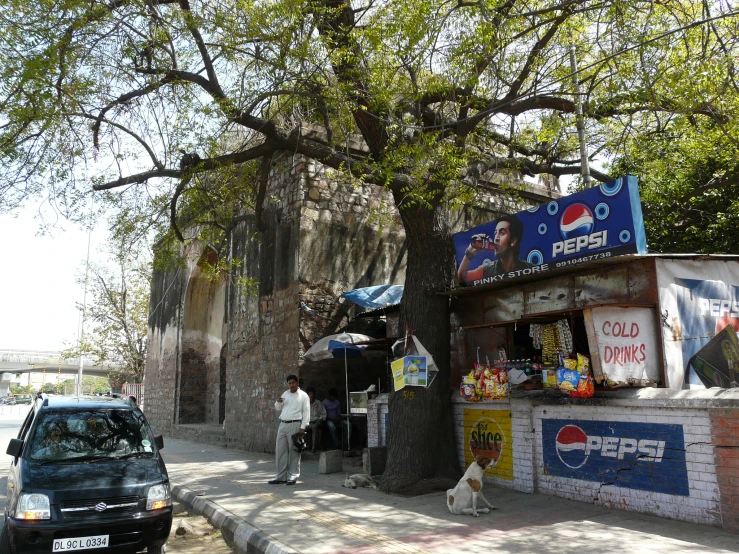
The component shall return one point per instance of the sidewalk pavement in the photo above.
(318, 515)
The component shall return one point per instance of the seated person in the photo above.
(317, 417)
(333, 417)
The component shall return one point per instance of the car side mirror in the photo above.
(15, 447)
(159, 441)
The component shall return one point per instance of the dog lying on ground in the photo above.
(359, 480)
(463, 498)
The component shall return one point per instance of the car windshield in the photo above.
(90, 434)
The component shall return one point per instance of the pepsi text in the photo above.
(617, 447)
(576, 244)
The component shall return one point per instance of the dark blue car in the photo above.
(86, 475)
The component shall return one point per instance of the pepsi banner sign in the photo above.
(643, 456)
(596, 223)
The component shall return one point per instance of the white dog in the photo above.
(359, 480)
(462, 499)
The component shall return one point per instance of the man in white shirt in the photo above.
(294, 407)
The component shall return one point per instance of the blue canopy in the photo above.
(380, 296)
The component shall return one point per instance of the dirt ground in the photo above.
(203, 539)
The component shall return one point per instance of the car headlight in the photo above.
(33, 506)
(158, 497)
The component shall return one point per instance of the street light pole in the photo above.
(584, 162)
(78, 392)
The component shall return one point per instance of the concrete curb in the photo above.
(243, 537)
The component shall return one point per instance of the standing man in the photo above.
(317, 417)
(294, 407)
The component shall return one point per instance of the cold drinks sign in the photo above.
(596, 223)
(627, 344)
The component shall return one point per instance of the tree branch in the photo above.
(122, 100)
(100, 119)
(335, 23)
(262, 191)
(532, 168)
(204, 165)
(731, 178)
(534, 53)
(195, 32)
(173, 207)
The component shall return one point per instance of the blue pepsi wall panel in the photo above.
(643, 456)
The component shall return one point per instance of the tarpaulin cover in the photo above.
(379, 296)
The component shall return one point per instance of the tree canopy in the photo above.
(124, 92)
(174, 107)
(116, 312)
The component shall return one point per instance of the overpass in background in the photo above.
(51, 362)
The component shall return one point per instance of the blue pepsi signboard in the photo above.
(596, 223)
(643, 456)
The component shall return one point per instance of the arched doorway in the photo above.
(198, 399)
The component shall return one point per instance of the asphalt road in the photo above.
(9, 426)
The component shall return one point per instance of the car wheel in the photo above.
(151, 549)
(5, 547)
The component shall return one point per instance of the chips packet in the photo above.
(583, 364)
(585, 387)
(567, 379)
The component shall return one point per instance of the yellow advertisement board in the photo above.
(488, 432)
(410, 370)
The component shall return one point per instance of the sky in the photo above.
(38, 288)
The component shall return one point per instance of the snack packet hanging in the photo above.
(585, 387)
(567, 379)
(569, 363)
(467, 390)
(583, 364)
(480, 369)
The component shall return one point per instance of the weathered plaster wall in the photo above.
(162, 360)
(202, 341)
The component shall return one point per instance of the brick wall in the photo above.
(725, 440)
(193, 386)
(655, 451)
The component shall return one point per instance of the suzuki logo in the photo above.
(101, 507)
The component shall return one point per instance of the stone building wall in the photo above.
(318, 243)
(219, 354)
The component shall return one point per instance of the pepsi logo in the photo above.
(577, 220)
(571, 443)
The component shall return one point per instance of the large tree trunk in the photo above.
(421, 448)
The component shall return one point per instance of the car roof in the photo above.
(93, 402)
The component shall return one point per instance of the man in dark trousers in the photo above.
(333, 417)
(294, 408)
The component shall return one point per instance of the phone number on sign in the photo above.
(583, 259)
(82, 543)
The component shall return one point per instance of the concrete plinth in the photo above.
(331, 461)
(373, 460)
